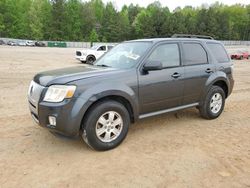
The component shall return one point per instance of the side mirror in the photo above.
(152, 65)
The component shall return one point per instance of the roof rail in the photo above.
(192, 36)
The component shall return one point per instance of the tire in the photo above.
(90, 60)
(83, 61)
(93, 123)
(211, 108)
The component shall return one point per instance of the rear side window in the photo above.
(194, 54)
(219, 52)
(167, 54)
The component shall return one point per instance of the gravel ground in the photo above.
(171, 150)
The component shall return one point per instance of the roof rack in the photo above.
(192, 36)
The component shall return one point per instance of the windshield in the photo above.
(124, 55)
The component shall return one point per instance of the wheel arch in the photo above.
(223, 85)
(118, 98)
(219, 80)
(91, 55)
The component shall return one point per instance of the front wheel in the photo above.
(106, 125)
(214, 103)
(90, 60)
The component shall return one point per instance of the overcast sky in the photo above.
(172, 4)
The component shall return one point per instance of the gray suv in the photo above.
(136, 79)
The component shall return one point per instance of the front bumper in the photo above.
(68, 118)
(66, 123)
(81, 58)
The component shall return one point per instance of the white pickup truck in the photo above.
(90, 55)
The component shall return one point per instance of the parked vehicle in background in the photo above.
(40, 44)
(91, 55)
(2, 42)
(30, 43)
(135, 80)
(240, 55)
(12, 43)
(21, 43)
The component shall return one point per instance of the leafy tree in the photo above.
(58, 26)
(37, 19)
(98, 7)
(110, 24)
(46, 18)
(88, 20)
(133, 11)
(73, 20)
(80, 20)
(143, 25)
(93, 36)
(2, 25)
(124, 25)
(153, 21)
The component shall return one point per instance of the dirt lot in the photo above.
(170, 150)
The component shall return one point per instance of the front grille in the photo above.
(32, 105)
(35, 117)
(34, 95)
(78, 53)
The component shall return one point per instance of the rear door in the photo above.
(197, 70)
(162, 89)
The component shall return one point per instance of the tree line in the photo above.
(75, 20)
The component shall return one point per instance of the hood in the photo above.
(65, 75)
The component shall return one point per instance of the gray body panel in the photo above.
(148, 93)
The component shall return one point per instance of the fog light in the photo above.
(52, 120)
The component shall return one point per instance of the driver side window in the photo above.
(167, 54)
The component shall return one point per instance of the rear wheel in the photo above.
(213, 104)
(106, 125)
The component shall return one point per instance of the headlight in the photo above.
(57, 93)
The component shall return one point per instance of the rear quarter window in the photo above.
(110, 47)
(218, 52)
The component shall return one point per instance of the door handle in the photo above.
(176, 75)
(208, 70)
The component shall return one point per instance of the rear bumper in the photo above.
(230, 89)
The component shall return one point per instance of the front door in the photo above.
(162, 89)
